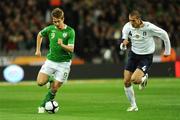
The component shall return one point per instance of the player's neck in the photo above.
(62, 26)
(139, 25)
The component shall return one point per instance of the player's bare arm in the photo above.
(68, 48)
(38, 45)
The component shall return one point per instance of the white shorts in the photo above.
(60, 71)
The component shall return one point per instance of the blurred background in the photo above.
(98, 25)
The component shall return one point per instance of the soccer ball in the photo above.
(51, 106)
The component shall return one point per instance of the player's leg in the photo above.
(136, 77)
(60, 76)
(51, 92)
(42, 78)
(45, 72)
(129, 91)
(50, 95)
(140, 75)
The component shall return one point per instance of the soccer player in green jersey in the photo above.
(61, 38)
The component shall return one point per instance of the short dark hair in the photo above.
(135, 13)
(57, 13)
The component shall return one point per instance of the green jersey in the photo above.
(56, 53)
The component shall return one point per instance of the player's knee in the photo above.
(127, 83)
(40, 83)
(54, 89)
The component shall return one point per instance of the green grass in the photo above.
(93, 100)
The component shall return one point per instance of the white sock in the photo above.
(129, 91)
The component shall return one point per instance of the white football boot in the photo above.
(41, 110)
(144, 82)
(132, 109)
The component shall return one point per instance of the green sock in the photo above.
(50, 96)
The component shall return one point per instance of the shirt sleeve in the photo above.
(71, 40)
(125, 32)
(44, 32)
(158, 32)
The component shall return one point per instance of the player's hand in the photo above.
(38, 53)
(60, 42)
(125, 42)
(123, 47)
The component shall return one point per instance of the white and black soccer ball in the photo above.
(51, 106)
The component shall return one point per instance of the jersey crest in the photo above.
(137, 36)
(64, 35)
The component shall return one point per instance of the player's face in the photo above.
(135, 21)
(57, 22)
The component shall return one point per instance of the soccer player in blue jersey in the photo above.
(140, 34)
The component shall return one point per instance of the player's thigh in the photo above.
(127, 78)
(137, 75)
(143, 66)
(132, 61)
(145, 63)
(42, 78)
(45, 71)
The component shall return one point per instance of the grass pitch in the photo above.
(93, 100)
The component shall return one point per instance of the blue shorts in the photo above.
(142, 62)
